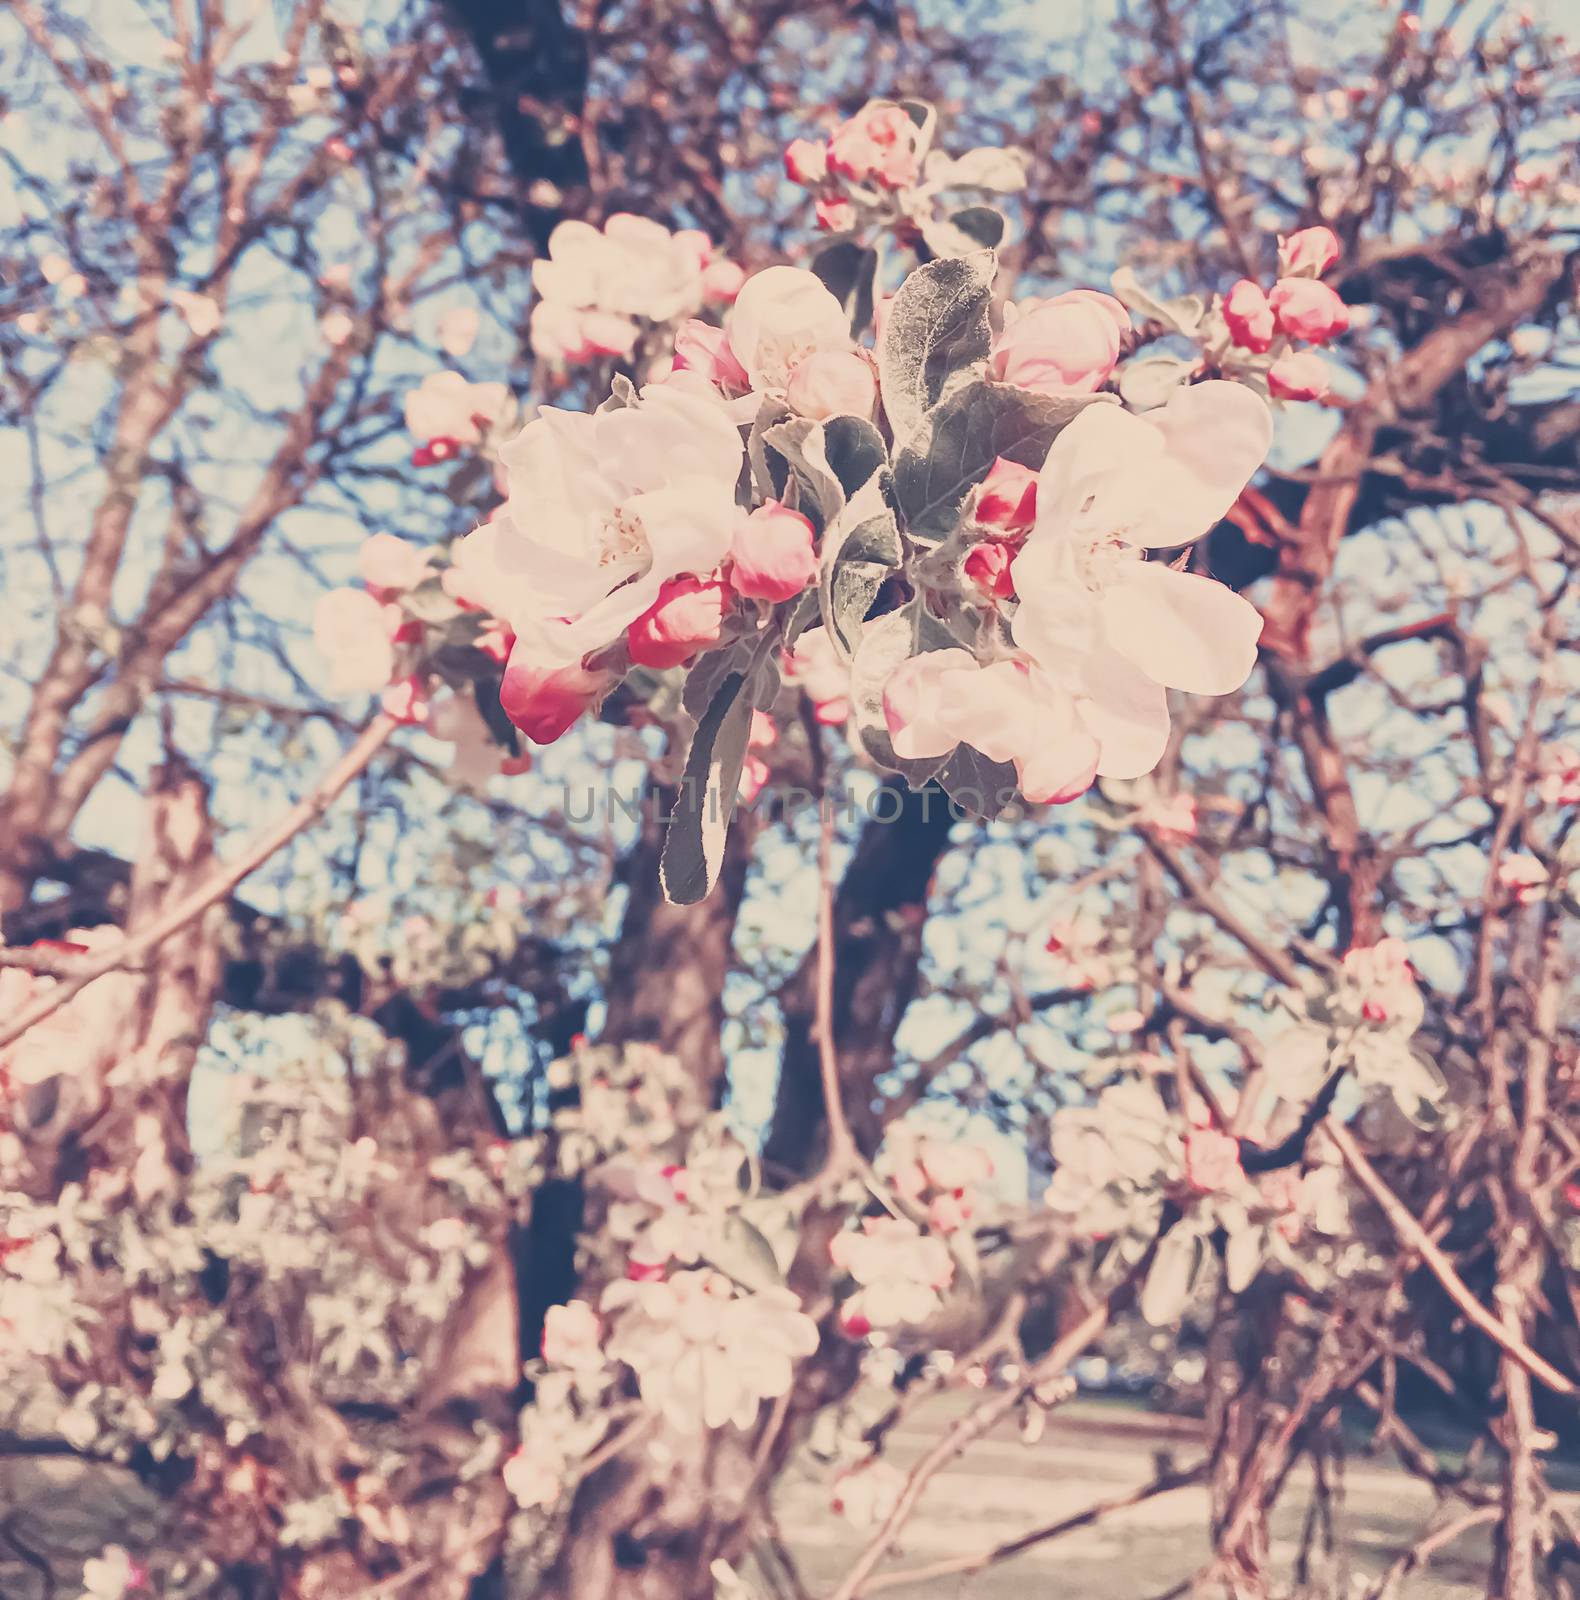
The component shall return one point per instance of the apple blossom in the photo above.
(389, 565)
(781, 316)
(835, 216)
(722, 280)
(1559, 784)
(545, 701)
(987, 565)
(112, 1574)
(1109, 626)
(533, 1479)
(1007, 499)
(1298, 375)
(446, 406)
(687, 617)
(899, 1271)
(1212, 1160)
(1307, 253)
(1008, 710)
(1383, 983)
(1173, 816)
(806, 161)
(571, 1335)
(632, 267)
(1066, 345)
(475, 578)
(705, 1353)
(604, 509)
(700, 347)
(1524, 876)
(1307, 309)
(1249, 316)
(352, 631)
(772, 556)
(877, 145)
(830, 383)
(823, 675)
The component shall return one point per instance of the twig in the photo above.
(1164, 1483)
(977, 1422)
(139, 942)
(1413, 1234)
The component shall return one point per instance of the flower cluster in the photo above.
(600, 289)
(900, 1274)
(1363, 1022)
(943, 1177)
(877, 170)
(736, 521)
(706, 1352)
(1299, 309)
(1100, 632)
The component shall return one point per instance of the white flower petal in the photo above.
(1187, 632)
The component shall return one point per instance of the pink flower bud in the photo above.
(772, 554)
(832, 383)
(722, 280)
(1008, 500)
(987, 566)
(1249, 316)
(688, 616)
(700, 347)
(435, 452)
(836, 216)
(1307, 309)
(806, 161)
(1066, 345)
(877, 145)
(1308, 253)
(1298, 375)
(544, 701)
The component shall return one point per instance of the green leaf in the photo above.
(978, 785)
(770, 472)
(849, 272)
(800, 441)
(959, 442)
(464, 484)
(861, 547)
(971, 228)
(694, 842)
(485, 691)
(741, 1251)
(936, 328)
(854, 450)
